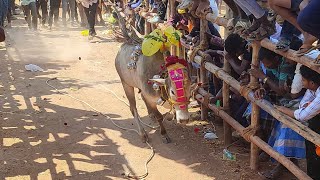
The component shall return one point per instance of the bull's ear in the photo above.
(159, 81)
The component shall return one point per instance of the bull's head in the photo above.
(175, 89)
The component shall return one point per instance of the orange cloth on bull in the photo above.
(190, 26)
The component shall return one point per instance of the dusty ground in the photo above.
(51, 136)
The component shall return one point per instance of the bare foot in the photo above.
(309, 39)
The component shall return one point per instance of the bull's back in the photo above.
(147, 67)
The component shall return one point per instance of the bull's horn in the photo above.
(137, 33)
(159, 81)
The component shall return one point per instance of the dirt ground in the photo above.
(47, 135)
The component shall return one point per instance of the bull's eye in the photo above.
(172, 92)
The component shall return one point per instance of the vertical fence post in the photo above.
(203, 71)
(172, 10)
(147, 25)
(255, 114)
(226, 106)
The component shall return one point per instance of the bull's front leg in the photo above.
(153, 110)
(132, 102)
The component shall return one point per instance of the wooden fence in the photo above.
(228, 81)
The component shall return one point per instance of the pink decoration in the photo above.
(177, 77)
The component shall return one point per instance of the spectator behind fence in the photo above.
(273, 80)
(283, 139)
(236, 47)
(308, 111)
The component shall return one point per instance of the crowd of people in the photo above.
(89, 11)
(293, 88)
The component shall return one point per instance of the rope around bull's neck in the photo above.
(109, 118)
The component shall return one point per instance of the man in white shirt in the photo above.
(30, 9)
(309, 111)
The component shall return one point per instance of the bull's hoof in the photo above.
(166, 139)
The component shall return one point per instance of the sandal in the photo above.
(317, 61)
(305, 49)
(241, 26)
(272, 16)
(231, 24)
(275, 173)
(283, 45)
(264, 157)
(261, 33)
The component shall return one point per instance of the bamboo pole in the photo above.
(305, 60)
(295, 125)
(255, 139)
(147, 25)
(226, 98)
(203, 71)
(255, 113)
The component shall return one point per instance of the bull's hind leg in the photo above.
(132, 102)
(152, 109)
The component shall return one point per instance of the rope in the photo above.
(115, 124)
(216, 73)
(254, 85)
(194, 53)
(244, 91)
(248, 132)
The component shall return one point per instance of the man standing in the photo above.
(72, 4)
(54, 12)
(3, 11)
(44, 9)
(90, 9)
(30, 9)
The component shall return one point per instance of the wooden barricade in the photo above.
(228, 81)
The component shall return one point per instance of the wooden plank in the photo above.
(254, 153)
(255, 139)
(295, 125)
